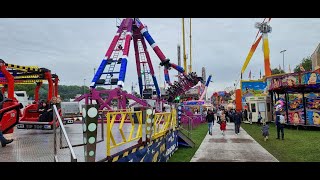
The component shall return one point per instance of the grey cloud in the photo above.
(73, 47)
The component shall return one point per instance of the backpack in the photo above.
(282, 120)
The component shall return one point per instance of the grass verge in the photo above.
(297, 146)
(184, 154)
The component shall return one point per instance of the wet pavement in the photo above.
(231, 147)
(38, 145)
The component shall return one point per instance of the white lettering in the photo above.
(171, 149)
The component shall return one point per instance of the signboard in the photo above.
(253, 88)
(193, 103)
(35, 126)
(70, 108)
(193, 91)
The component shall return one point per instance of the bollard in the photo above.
(149, 124)
(179, 114)
(90, 123)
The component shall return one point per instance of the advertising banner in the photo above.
(253, 88)
(160, 150)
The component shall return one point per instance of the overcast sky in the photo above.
(72, 48)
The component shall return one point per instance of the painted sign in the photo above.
(290, 80)
(253, 88)
(313, 109)
(296, 117)
(276, 82)
(311, 78)
(313, 117)
(295, 102)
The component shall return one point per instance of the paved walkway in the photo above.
(231, 147)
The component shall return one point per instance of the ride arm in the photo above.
(206, 88)
(164, 61)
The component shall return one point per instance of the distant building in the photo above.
(315, 58)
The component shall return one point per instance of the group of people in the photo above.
(237, 118)
(222, 117)
(46, 110)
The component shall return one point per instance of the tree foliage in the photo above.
(306, 63)
(66, 92)
(276, 71)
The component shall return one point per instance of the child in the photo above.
(223, 126)
(265, 131)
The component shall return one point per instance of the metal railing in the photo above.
(55, 117)
(82, 144)
(189, 125)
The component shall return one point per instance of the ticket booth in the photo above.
(262, 104)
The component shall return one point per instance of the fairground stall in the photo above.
(255, 99)
(298, 93)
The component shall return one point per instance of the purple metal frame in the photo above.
(116, 93)
(139, 32)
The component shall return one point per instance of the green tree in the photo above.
(66, 92)
(306, 63)
(276, 71)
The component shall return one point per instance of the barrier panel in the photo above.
(122, 116)
(163, 122)
(158, 150)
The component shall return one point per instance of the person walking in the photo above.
(265, 131)
(250, 117)
(210, 120)
(259, 118)
(237, 122)
(218, 115)
(223, 125)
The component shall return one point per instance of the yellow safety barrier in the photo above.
(111, 117)
(163, 122)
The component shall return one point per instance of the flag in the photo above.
(260, 73)
(250, 74)
(289, 69)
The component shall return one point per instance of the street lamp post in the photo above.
(84, 86)
(283, 59)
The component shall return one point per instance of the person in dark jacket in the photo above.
(245, 115)
(237, 122)
(265, 131)
(250, 117)
(210, 120)
(43, 110)
(280, 127)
